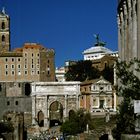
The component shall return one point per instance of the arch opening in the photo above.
(40, 119)
(56, 114)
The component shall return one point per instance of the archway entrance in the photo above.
(56, 113)
(40, 119)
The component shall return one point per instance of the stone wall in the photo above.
(130, 137)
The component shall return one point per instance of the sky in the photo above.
(67, 26)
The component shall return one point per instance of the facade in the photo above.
(97, 96)
(54, 100)
(128, 29)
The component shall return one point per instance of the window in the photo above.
(32, 66)
(19, 66)
(12, 59)
(6, 66)
(19, 59)
(8, 102)
(48, 61)
(32, 54)
(6, 72)
(6, 59)
(19, 85)
(12, 66)
(38, 54)
(37, 72)
(3, 25)
(25, 66)
(26, 72)
(38, 61)
(3, 38)
(16, 103)
(101, 104)
(13, 72)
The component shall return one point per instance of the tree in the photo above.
(129, 90)
(77, 123)
(108, 74)
(82, 71)
(6, 127)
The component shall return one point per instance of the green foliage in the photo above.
(129, 90)
(108, 74)
(6, 127)
(77, 123)
(82, 71)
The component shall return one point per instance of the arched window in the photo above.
(3, 25)
(3, 38)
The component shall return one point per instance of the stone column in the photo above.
(134, 30)
(114, 100)
(84, 101)
(130, 30)
(126, 53)
(77, 101)
(34, 109)
(46, 119)
(122, 36)
(138, 28)
(119, 35)
(65, 110)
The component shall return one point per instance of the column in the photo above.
(134, 30)
(46, 118)
(65, 110)
(138, 28)
(84, 101)
(130, 40)
(114, 100)
(33, 109)
(125, 33)
(119, 35)
(122, 36)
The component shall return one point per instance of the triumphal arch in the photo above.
(53, 101)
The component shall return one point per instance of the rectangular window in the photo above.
(25, 66)
(6, 66)
(8, 102)
(6, 59)
(26, 72)
(16, 103)
(12, 59)
(6, 72)
(19, 66)
(12, 66)
(13, 72)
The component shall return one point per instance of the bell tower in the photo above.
(4, 31)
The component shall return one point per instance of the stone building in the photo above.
(128, 29)
(97, 96)
(18, 69)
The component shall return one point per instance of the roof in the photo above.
(32, 46)
(97, 81)
(3, 13)
(97, 49)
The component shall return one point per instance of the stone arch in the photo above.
(56, 113)
(40, 117)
